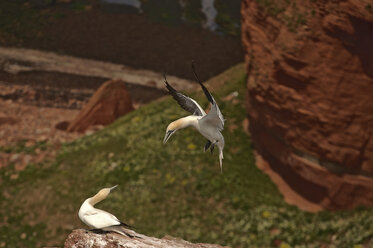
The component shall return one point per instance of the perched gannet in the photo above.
(100, 219)
(209, 125)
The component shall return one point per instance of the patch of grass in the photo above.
(21, 146)
(228, 17)
(77, 6)
(19, 22)
(192, 12)
(273, 8)
(227, 24)
(165, 11)
(294, 21)
(277, 9)
(173, 189)
(20, 235)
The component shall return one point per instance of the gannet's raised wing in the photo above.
(214, 117)
(185, 102)
(207, 93)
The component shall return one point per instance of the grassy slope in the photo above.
(173, 189)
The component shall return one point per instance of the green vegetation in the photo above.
(19, 22)
(368, 7)
(173, 189)
(272, 7)
(294, 21)
(167, 12)
(22, 146)
(228, 17)
(78, 6)
(278, 8)
(192, 13)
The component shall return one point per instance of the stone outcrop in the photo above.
(310, 95)
(81, 238)
(108, 103)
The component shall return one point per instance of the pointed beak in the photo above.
(111, 189)
(167, 136)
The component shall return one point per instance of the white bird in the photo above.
(100, 219)
(209, 125)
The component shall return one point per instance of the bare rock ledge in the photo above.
(81, 238)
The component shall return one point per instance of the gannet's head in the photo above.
(171, 129)
(101, 195)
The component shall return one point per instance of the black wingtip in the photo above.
(126, 225)
(171, 90)
(165, 78)
(207, 93)
(168, 86)
(195, 73)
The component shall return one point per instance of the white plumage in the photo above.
(100, 219)
(209, 125)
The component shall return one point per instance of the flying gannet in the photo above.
(209, 125)
(100, 219)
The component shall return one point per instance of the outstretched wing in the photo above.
(215, 108)
(214, 117)
(185, 102)
(207, 93)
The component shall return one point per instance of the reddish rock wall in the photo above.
(310, 95)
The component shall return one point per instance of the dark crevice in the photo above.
(359, 43)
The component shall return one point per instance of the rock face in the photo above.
(310, 95)
(81, 239)
(108, 103)
(7, 120)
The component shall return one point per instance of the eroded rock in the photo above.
(108, 103)
(310, 91)
(81, 239)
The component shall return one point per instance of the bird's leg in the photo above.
(208, 144)
(213, 146)
(212, 149)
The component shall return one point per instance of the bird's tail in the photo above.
(121, 230)
(221, 157)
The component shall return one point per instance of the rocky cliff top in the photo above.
(80, 238)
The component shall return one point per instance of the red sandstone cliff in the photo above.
(310, 95)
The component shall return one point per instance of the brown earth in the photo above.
(310, 89)
(27, 130)
(35, 108)
(62, 90)
(20, 60)
(130, 39)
